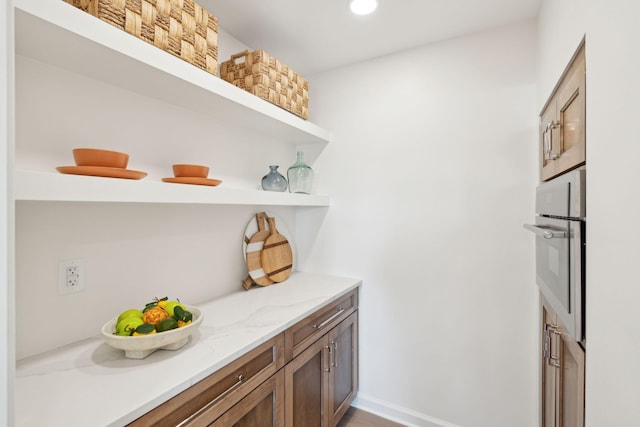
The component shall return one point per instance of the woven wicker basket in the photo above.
(266, 77)
(180, 27)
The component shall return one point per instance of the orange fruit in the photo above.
(155, 315)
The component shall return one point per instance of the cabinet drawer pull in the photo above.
(548, 142)
(550, 346)
(206, 407)
(334, 364)
(327, 363)
(326, 322)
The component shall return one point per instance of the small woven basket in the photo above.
(266, 77)
(180, 27)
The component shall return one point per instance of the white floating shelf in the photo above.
(59, 34)
(43, 186)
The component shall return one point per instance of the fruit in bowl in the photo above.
(141, 332)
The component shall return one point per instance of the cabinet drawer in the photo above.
(263, 407)
(206, 400)
(307, 331)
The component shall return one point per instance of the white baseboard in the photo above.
(397, 413)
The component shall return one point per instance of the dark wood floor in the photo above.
(358, 418)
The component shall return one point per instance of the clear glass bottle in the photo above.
(300, 176)
(274, 180)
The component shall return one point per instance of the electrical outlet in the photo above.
(71, 276)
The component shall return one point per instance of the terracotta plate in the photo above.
(102, 171)
(193, 180)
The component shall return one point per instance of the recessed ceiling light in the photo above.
(363, 7)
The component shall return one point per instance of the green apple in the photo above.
(129, 313)
(126, 326)
(171, 306)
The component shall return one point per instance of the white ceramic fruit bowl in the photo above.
(141, 346)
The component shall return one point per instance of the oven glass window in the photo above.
(552, 263)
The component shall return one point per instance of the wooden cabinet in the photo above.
(322, 381)
(562, 122)
(343, 367)
(310, 329)
(265, 387)
(563, 373)
(263, 407)
(205, 401)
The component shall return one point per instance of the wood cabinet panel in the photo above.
(207, 399)
(549, 383)
(563, 122)
(311, 328)
(323, 379)
(263, 407)
(306, 384)
(563, 370)
(343, 378)
(571, 382)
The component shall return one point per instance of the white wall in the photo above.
(613, 205)
(561, 27)
(432, 172)
(6, 216)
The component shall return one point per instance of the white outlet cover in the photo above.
(64, 288)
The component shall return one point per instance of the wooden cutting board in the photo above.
(277, 257)
(247, 283)
(253, 252)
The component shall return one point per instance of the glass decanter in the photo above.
(300, 176)
(274, 180)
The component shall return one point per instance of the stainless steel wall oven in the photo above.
(560, 229)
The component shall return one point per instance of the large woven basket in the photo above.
(180, 27)
(266, 77)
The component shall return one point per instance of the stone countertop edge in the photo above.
(90, 383)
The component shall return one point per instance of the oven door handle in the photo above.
(545, 232)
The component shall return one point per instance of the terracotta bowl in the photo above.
(190, 171)
(102, 158)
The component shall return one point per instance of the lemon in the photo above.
(144, 329)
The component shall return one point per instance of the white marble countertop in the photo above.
(91, 384)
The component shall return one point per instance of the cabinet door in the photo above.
(562, 374)
(550, 356)
(306, 379)
(563, 122)
(263, 407)
(343, 365)
(571, 382)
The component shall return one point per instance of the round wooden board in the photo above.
(276, 255)
(252, 228)
(254, 249)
